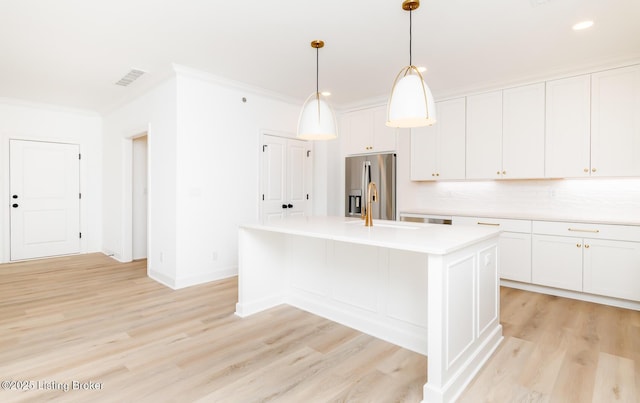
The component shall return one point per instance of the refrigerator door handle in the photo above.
(366, 178)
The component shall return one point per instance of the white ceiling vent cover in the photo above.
(536, 3)
(130, 77)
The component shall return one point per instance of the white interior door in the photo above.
(285, 177)
(298, 177)
(45, 199)
(273, 177)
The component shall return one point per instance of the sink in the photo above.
(382, 224)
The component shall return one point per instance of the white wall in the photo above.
(203, 153)
(217, 169)
(153, 113)
(26, 121)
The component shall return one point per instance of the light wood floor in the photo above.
(88, 318)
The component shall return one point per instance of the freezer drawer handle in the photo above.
(595, 231)
(284, 206)
(489, 223)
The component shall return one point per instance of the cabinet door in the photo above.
(484, 136)
(424, 150)
(612, 268)
(568, 128)
(523, 132)
(384, 138)
(451, 127)
(359, 126)
(556, 261)
(515, 256)
(438, 151)
(615, 122)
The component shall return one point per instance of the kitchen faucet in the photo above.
(371, 197)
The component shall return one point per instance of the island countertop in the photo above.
(434, 239)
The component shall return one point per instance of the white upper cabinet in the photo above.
(568, 128)
(438, 151)
(615, 122)
(523, 132)
(366, 132)
(505, 134)
(484, 136)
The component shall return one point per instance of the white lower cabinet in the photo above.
(515, 256)
(596, 259)
(557, 261)
(612, 268)
(514, 245)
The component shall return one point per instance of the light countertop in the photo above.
(418, 237)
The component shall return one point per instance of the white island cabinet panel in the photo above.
(461, 305)
(406, 282)
(311, 277)
(489, 294)
(355, 275)
(430, 288)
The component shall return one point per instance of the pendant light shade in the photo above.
(411, 103)
(316, 120)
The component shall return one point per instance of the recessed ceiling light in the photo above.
(582, 25)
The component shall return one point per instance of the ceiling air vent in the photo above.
(536, 3)
(130, 77)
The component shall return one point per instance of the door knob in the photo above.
(14, 205)
(290, 205)
(284, 206)
(15, 196)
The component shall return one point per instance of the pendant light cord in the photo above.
(317, 68)
(410, 63)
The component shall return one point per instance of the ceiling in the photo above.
(71, 52)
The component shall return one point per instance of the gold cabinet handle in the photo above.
(586, 246)
(498, 173)
(489, 223)
(586, 169)
(595, 231)
(593, 169)
(433, 174)
(504, 172)
(437, 174)
(578, 245)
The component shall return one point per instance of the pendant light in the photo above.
(317, 121)
(411, 103)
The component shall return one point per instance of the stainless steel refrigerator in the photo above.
(377, 168)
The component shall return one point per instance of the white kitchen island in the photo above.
(430, 288)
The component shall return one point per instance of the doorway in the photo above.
(44, 183)
(139, 193)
